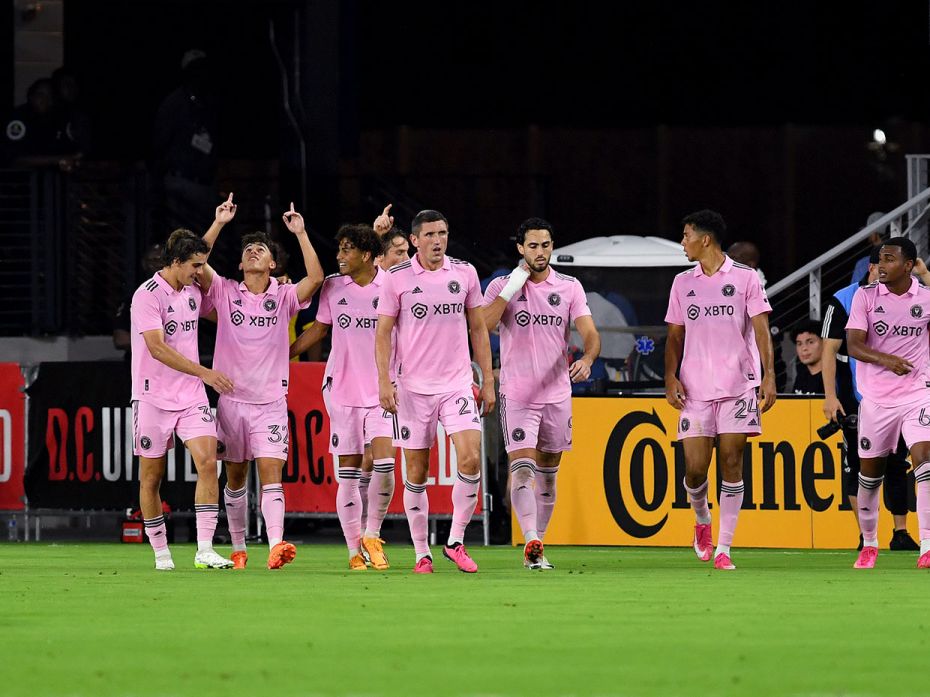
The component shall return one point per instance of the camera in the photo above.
(831, 427)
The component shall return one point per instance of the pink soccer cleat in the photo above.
(867, 558)
(703, 542)
(924, 561)
(722, 562)
(424, 566)
(457, 555)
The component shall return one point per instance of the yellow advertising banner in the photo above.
(622, 482)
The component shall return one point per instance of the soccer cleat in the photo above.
(544, 564)
(209, 559)
(164, 564)
(239, 559)
(901, 541)
(867, 558)
(357, 563)
(372, 547)
(703, 542)
(532, 566)
(281, 554)
(722, 562)
(424, 566)
(458, 556)
(924, 561)
(532, 553)
(365, 555)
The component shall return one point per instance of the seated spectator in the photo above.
(808, 364)
(33, 134)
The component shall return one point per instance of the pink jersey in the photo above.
(721, 358)
(432, 329)
(156, 305)
(252, 339)
(352, 311)
(895, 324)
(534, 333)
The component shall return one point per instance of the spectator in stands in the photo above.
(808, 363)
(32, 134)
(875, 239)
(73, 118)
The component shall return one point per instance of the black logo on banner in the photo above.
(344, 321)
(518, 434)
(237, 318)
(454, 287)
(880, 327)
(193, 305)
(522, 318)
(146, 442)
(171, 327)
(270, 305)
(419, 310)
(693, 312)
(728, 290)
(554, 299)
(917, 311)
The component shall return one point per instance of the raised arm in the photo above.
(494, 310)
(311, 282)
(225, 212)
(767, 390)
(311, 336)
(162, 352)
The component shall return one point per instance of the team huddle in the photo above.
(405, 332)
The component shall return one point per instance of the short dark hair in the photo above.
(182, 244)
(708, 222)
(808, 326)
(259, 237)
(362, 237)
(427, 216)
(533, 224)
(387, 238)
(908, 249)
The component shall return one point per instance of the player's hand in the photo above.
(218, 381)
(675, 393)
(385, 221)
(767, 393)
(832, 407)
(284, 279)
(897, 365)
(580, 370)
(294, 221)
(516, 281)
(920, 269)
(226, 211)
(488, 398)
(387, 396)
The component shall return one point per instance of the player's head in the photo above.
(395, 248)
(184, 255)
(807, 342)
(745, 253)
(153, 259)
(358, 247)
(896, 259)
(429, 233)
(702, 230)
(259, 253)
(534, 242)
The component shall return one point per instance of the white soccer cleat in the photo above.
(544, 564)
(209, 559)
(532, 565)
(164, 564)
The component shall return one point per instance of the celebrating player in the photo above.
(887, 335)
(536, 393)
(348, 304)
(168, 396)
(252, 347)
(435, 303)
(718, 331)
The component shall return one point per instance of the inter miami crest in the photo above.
(728, 290)
(555, 299)
(270, 305)
(404, 433)
(917, 311)
(865, 443)
(220, 447)
(193, 304)
(518, 434)
(454, 287)
(146, 442)
(374, 303)
(335, 440)
(685, 425)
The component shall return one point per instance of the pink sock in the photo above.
(273, 512)
(545, 497)
(157, 534)
(416, 505)
(206, 514)
(349, 507)
(698, 498)
(731, 499)
(464, 502)
(867, 503)
(380, 493)
(522, 496)
(922, 477)
(237, 512)
(363, 484)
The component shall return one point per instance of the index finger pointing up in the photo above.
(387, 209)
(229, 200)
(292, 208)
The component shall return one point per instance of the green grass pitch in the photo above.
(97, 620)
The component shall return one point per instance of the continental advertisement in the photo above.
(622, 482)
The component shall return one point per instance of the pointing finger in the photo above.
(292, 207)
(229, 200)
(387, 209)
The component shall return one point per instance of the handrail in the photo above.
(846, 245)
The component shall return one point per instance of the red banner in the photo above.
(12, 428)
(309, 477)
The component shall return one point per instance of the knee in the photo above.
(150, 483)
(468, 461)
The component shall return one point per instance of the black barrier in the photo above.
(80, 442)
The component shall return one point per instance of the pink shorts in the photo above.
(879, 427)
(352, 428)
(153, 429)
(419, 414)
(247, 431)
(709, 419)
(545, 427)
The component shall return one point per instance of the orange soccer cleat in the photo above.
(281, 554)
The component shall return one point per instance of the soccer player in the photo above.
(435, 303)
(887, 335)
(535, 307)
(348, 305)
(252, 347)
(718, 331)
(168, 396)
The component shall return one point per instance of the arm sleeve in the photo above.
(756, 302)
(673, 315)
(834, 320)
(145, 311)
(291, 302)
(323, 313)
(388, 300)
(859, 312)
(473, 298)
(494, 289)
(579, 306)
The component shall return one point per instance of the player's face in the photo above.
(257, 257)
(189, 271)
(536, 249)
(350, 258)
(809, 347)
(692, 242)
(891, 265)
(397, 253)
(432, 240)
